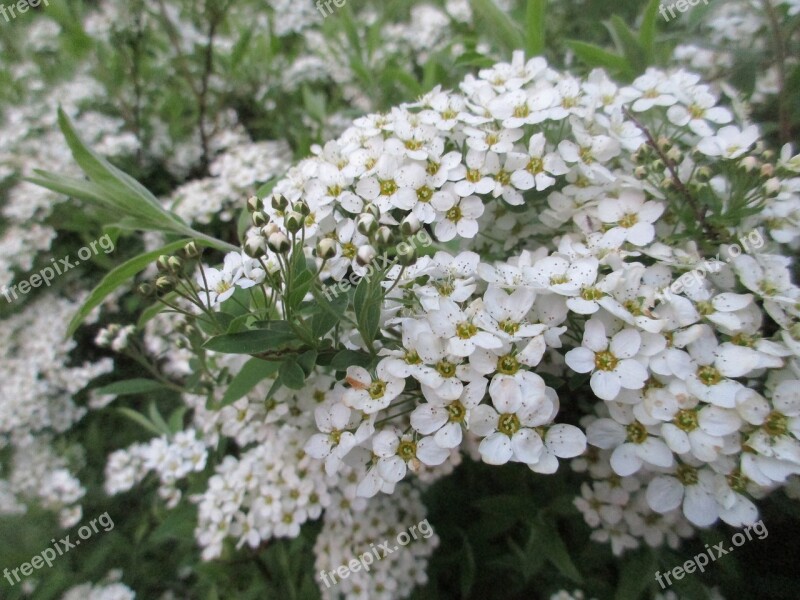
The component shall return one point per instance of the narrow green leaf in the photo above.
(595, 56)
(140, 419)
(557, 552)
(637, 572)
(119, 276)
(277, 335)
(628, 43)
(535, 27)
(128, 387)
(332, 310)
(251, 374)
(647, 34)
(504, 31)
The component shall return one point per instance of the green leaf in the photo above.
(367, 305)
(128, 387)
(119, 276)
(292, 374)
(122, 189)
(504, 32)
(595, 56)
(332, 311)
(557, 552)
(647, 34)
(628, 43)
(307, 361)
(348, 358)
(252, 372)
(277, 335)
(535, 27)
(636, 573)
(140, 419)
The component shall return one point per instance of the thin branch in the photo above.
(699, 212)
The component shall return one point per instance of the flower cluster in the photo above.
(589, 217)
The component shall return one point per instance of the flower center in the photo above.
(687, 475)
(776, 423)
(349, 250)
(535, 166)
(335, 436)
(637, 433)
(407, 450)
(742, 339)
(432, 167)
(629, 220)
(737, 481)
(413, 144)
(508, 424)
(686, 420)
(705, 308)
(424, 194)
(388, 187)
(466, 330)
(446, 368)
(605, 361)
(521, 111)
(591, 294)
(454, 214)
(473, 175)
(377, 388)
(503, 177)
(509, 327)
(457, 412)
(334, 190)
(559, 279)
(412, 358)
(507, 365)
(708, 375)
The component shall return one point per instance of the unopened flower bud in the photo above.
(749, 163)
(254, 204)
(365, 255)
(259, 218)
(175, 264)
(302, 208)
(162, 264)
(164, 284)
(366, 224)
(190, 250)
(658, 164)
(640, 172)
(410, 225)
(767, 170)
(702, 174)
(294, 221)
(772, 186)
(279, 202)
(406, 254)
(664, 144)
(383, 236)
(675, 154)
(254, 247)
(278, 243)
(269, 229)
(373, 210)
(326, 248)
(146, 290)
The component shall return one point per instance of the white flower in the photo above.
(370, 394)
(632, 443)
(334, 442)
(397, 454)
(632, 214)
(691, 487)
(458, 218)
(729, 142)
(507, 426)
(460, 328)
(560, 441)
(216, 285)
(610, 363)
(444, 417)
(540, 166)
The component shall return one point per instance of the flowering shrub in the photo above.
(566, 295)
